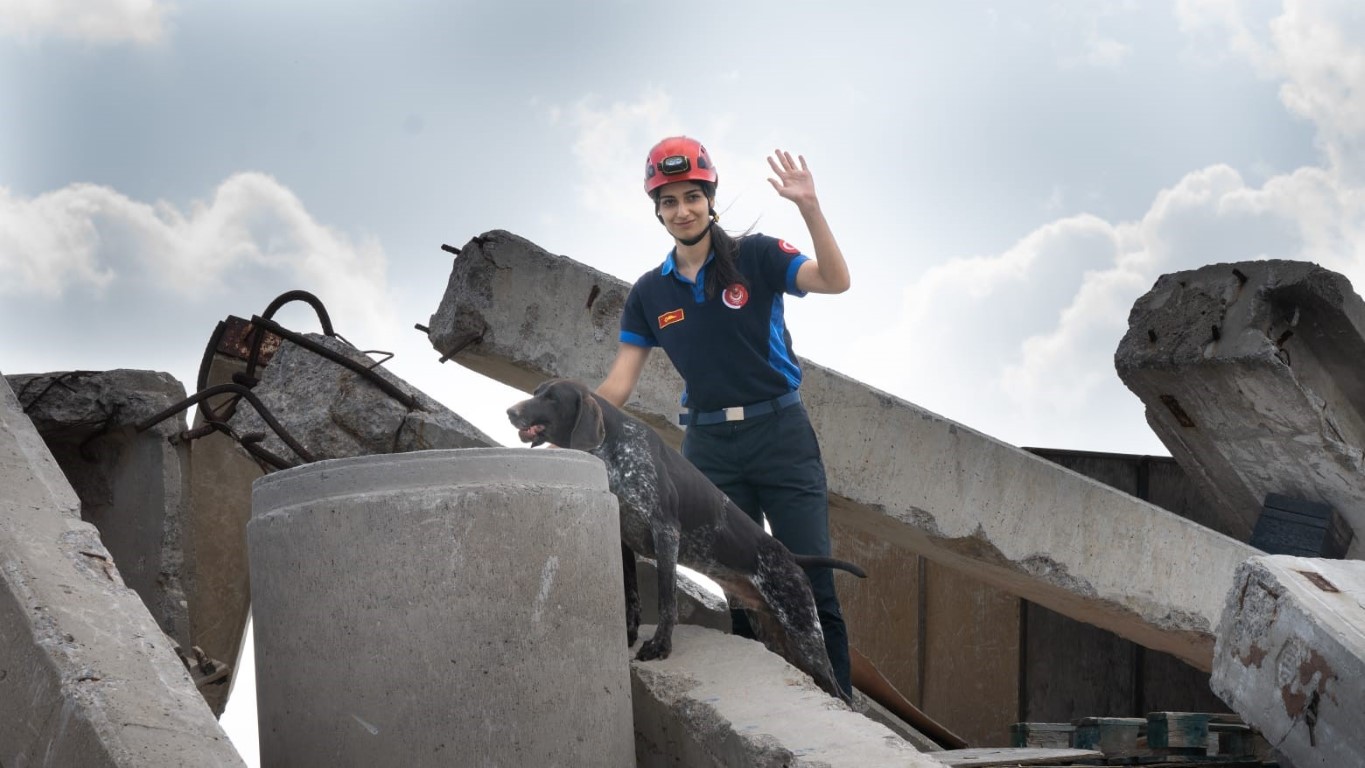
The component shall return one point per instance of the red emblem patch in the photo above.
(669, 318)
(735, 296)
(788, 247)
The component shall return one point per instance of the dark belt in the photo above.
(739, 412)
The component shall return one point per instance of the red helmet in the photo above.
(678, 158)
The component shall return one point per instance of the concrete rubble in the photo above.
(87, 677)
(335, 412)
(721, 700)
(1291, 656)
(913, 479)
(1250, 373)
(132, 486)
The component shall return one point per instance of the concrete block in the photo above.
(907, 476)
(87, 677)
(337, 413)
(440, 608)
(1250, 373)
(132, 485)
(1291, 655)
(721, 700)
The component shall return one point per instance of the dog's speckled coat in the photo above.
(671, 513)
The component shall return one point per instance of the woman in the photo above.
(715, 306)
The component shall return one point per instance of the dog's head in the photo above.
(562, 412)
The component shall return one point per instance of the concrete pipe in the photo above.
(449, 607)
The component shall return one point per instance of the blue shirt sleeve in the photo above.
(780, 260)
(635, 327)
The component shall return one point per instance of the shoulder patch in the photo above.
(787, 247)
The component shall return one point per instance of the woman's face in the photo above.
(684, 208)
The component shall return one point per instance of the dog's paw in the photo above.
(632, 634)
(655, 648)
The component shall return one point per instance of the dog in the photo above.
(671, 513)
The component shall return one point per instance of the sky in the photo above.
(1004, 178)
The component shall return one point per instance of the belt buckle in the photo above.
(734, 414)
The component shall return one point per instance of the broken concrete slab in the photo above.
(721, 700)
(907, 476)
(132, 485)
(87, 677)
(1291, 655)
(1250, 373)
(335, 412)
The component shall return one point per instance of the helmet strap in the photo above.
(698, 238)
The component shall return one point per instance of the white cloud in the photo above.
(95, 21)
(84, 244)
(1079, 39)
(1313, 47)
(1024, 339)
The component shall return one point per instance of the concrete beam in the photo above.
(917, 481)
(1291, 655)
(86, 675)
(721, 700)
(1251, 377)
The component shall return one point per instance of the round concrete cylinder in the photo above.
(453, 607)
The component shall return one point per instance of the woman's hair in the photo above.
(724, 270)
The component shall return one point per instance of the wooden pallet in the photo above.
(1161, 739)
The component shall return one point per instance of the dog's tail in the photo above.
(816, 561)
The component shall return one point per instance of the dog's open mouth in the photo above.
(534, 434)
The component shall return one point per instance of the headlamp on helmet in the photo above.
(678, 158)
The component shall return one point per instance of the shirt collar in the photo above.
(671, 263)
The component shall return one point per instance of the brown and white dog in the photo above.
(671, 513)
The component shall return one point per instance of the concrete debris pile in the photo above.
(87, 677)
(1002, 584)
(336, 412)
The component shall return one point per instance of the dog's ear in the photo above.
(588, 431)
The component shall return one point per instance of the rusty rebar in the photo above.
(241, 391)
(386, 386)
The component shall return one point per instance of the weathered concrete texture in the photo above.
(1251, 377)
(132, 486)
(220, 506)
(1291, 656)
(721, 700)
(86, 676)
(440, 608)
(915, 479)
(337, 413)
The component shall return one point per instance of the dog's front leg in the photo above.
(632, 595)
(666, 561)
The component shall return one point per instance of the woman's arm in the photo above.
(827, 272)
(624, 374)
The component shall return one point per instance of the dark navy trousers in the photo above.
(770, 466)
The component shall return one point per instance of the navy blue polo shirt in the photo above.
(733, 348)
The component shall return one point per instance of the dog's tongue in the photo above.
(530, 433)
